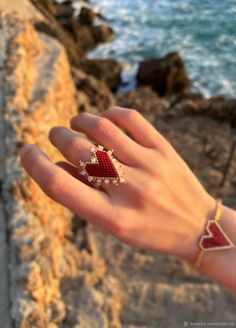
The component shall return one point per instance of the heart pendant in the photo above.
(102, 167)
(216, 238)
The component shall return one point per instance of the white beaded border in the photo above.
(98, 180)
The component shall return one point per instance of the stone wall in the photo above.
(50, 262)
(38, 93)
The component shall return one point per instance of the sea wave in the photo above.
(203, 32)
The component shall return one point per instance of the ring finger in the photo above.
(75, 148)
(106, 133)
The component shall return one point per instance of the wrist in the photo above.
(221, 264)
(205, 212)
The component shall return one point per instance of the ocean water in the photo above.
(204, 32)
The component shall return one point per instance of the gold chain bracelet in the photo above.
(215, 238)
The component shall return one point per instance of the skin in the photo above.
(161, 207)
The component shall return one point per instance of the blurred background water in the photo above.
(204, 32)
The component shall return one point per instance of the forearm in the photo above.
(221, 265)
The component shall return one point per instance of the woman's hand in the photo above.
(161, 207)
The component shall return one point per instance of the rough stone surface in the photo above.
(220, 108)
(35, 73)
(5, 321)
(102, 33)
(107, 70)
(166, 75)
(93, 95)
(63, 11)
(77, 37)
(87, 16)
(51, 26)
(146, 101)
(23, 7)
(81, 35)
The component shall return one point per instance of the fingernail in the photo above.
(24, 149)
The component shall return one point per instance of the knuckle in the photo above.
(112, 109)
(76, 149)
(130, 114)
(147, 193)
(116, 111)
(162, 169)
(121, 230)
(102, 126)
(52, 185)
(157, 164)
(74, 144)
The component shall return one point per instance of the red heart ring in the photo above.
(102, 167)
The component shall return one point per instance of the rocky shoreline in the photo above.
(166, 76)
(62, 272)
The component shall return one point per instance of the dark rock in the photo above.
(87, 37)
(106, 70)
(184, 107)
(87, 16)
(49, 5)
(102, 33)
(47, 8)
(81, 34)
(146, 101)
(191, 96)
(166, 75)
(93, 95)
(220, 107)
(64, 12)
(67, 3)
(194, 96)
(77, 39)
(55, 30)
(52, 27)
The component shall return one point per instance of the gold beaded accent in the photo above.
(218, 210)
(216, 218)
(199, 258)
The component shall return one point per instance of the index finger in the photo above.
(65, 189)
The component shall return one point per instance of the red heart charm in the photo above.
(103, 167)
(216, 238)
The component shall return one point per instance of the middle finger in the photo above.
(75, 148)
(107, 134)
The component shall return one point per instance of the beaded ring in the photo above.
(102, 167)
